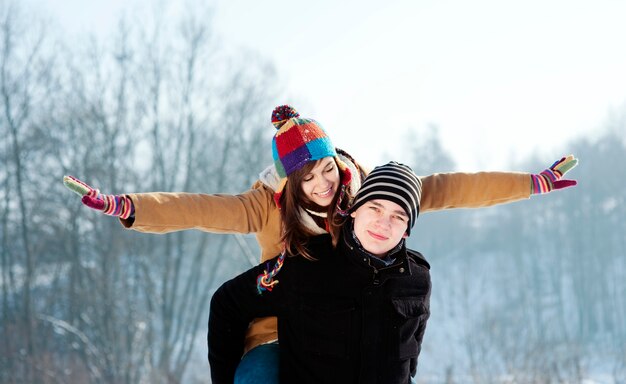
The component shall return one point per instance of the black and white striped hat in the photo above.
(394, 182)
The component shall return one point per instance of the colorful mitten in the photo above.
(113, 205)
(550, 179)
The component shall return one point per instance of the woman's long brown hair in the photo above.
(293, 200)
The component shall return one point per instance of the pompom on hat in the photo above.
(297, 142)
(394, 182)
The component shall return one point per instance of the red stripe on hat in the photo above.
(288, 141)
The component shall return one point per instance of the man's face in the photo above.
(380, 225)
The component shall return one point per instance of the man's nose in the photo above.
(384, 221)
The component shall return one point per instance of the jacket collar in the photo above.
(355, 252)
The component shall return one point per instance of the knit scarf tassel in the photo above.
(346, 179)
(265, 281)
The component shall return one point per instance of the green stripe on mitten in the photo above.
(550, 179)
(113, 205)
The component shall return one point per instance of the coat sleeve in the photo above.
(473, 190)
(161, 212)
(233, 306)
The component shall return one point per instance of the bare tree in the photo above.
(82, 299)
(26, 73)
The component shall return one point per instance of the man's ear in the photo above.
(405, 235)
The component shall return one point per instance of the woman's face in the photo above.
(380, 225)
(321, 184)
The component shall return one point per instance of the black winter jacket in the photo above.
(340, 320)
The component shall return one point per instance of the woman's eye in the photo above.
(330, 168)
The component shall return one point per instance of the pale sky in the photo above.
(501, 79)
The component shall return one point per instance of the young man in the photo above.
(357, 314)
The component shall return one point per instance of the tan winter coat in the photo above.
(254, 211)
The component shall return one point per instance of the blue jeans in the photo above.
(259, 365)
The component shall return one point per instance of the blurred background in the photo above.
(141, 96)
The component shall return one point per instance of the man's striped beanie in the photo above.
(394, 182)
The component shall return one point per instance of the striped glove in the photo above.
(550, 179)
(112, 205)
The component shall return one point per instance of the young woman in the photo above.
(329, 179)
(355, 313)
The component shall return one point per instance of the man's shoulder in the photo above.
(417, 257)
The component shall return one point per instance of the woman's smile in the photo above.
(326, 193)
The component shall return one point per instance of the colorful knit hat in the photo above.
(394, 182)
(297, 142)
